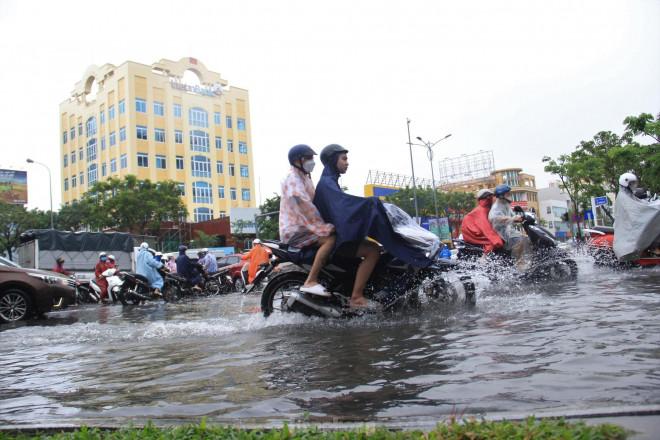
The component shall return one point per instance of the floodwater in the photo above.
(586, 345)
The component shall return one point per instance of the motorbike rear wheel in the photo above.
(213, 286)
(274, 293)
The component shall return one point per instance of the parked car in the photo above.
(234, 271)
(30, 292)
(229, 260)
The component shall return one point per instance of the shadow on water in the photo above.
(524, 347)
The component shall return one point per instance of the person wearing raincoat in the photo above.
(477, 229)
(356, 218)
(187, 268)
(148, 266)
(301, 224)
(257, 255)
(502, 218)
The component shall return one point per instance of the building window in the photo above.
(80, 155)
(245, 195)
(124, 161)
(548, 210)
(103, 170)
(229, 125)
(198, 117)
(73, 157)
(113, 139)
(202, 192)
(80, 129)
(102, 117)
(122, 107)
(141, 132)
(178, 136)
(143, 160)
(242, 147)
(182, 188)
(66, 184)
(81, 178)
(199, 141)
(230, 145)
(111, 112)
(203, 214)
(122, 134)
(201, 166)
(240, 124)
(74, 181)
(216, 118)
(159, 109)
(218, 143)
(550, 225)
(161, 162)
(64, 137)
(232, 193)
(179, 162)
(65, 161)
(221, 192)
(218, 166)
(230, 170)
(103, 143)
(91, 126)
(223, 214)
(92, 174)
(244, 171)
(91, 150)
(177, 110)
(159, 135)
(73, 133)
(113, 165)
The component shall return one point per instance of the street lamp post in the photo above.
(50, 185)
(429, 153)
(413, 174)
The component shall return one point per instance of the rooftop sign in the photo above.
(214, 91)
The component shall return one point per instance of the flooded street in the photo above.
(523, 348)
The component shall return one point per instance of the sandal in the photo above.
(315, 290)
(370, 306)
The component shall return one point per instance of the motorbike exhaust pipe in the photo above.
(304, 299)
(139, 295)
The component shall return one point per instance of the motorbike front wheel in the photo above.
(213, 286)
(275, 292)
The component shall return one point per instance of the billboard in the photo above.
(13, 186)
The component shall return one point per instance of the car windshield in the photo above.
(7, 263)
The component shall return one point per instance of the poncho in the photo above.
(477, 229)
(501, 217)
(637, 225)
(147, 266)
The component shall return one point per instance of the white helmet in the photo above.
(144, 245)
(159, 254)
(626, 179)
(256, 241)
(111, 257)
(205, 250)
(102, 254)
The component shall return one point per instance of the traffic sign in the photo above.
(578, 218)
(600, 201)
(588, 215)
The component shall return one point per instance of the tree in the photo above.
(14, 220)
(205, 240)
(138, 206)
(269, 226)
(405, 199)
(239, 235)
(647, 156)
(74, 217)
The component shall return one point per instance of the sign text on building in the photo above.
(216, 90)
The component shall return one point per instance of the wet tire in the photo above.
(15, 305)
(170, 293)
(562, 271)
(275, 290)
(213, 287)
(122, 297)
(239, 285)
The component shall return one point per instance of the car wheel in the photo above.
(15, 305)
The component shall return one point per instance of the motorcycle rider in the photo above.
(637, 225)
(502, 218)
(59, 267)
(188, 269)
(477, 229)
(102, 266)
(148, 266)
(257, 255)
(209, 263)
(300, 223)
(355, 218)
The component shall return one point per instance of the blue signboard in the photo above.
(600, 201)
(588, 215)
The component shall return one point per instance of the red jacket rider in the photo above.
(477, 229)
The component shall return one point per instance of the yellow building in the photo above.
(172, 120)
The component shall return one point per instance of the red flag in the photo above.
(193, 61)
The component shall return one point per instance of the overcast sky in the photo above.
(522, 78)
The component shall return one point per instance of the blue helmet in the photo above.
(297, 152)
(500, 190)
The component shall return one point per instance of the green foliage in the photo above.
(469, 429)
(16, 219)
(204, 240)
(238, 233)
(269, 226)
(450, 204)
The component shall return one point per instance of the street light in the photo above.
(429, 153)
(50, 185)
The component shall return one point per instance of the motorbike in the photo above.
(84, 293)
(263, 273)
(600, 247)
(218, 283)
(176, 287)
(394, 284)
(549, 262)
(127, 287)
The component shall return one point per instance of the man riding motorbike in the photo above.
(188, 269)
(148, 266)
(502, 218)
(102, 266)
(637, 225)
(477, 229)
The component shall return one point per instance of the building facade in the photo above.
(172, 120)
(553, 203)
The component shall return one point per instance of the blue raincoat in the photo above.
(147, 265)
(356, 218)
(187, 269)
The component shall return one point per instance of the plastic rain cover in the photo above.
(637, 226)
(414, 234)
